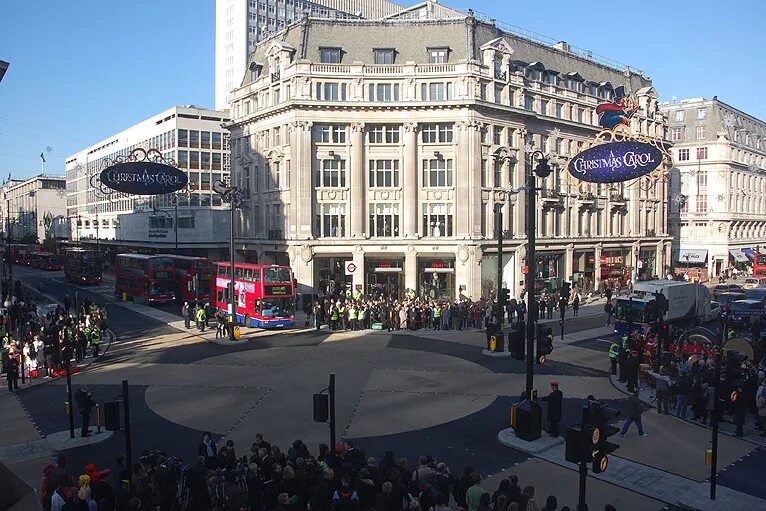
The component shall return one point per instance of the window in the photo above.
(679, 116)
(331, 91)
(330, 55)
(193, 138)
(384, 55)
(333, 173)
(497, 135)
(701, 179)
(331, 221)
(437, 133)
(384, 173)
(544, 107)
(436, 91)
(575, 85)
(580, 115)
(383, 92)
(701, 113)
(216, 143)
(683, 155)
(529, 103)
(700, 133)
(383, 134)
(437, 220)
(437, 55)
(330, 133)
(183, 138)
(183, 159)
(205, 140)
(437, 172)
(277, 134)
(676, 134)
(559, 110)
(498, 173)
(702, 153)
(384, 220)
(551, 78)
(193, 159)
(702, 203)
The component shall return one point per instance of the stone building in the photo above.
(719, 196)
(388, 143)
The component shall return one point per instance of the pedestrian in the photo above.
(201, 319)
(474, 493)
(85, 404)
(609, 310)
(708, 398)
(635, 409)
(614, 351)
(553, 415)
(12, 373)
(662, 389)
(760, 404)
(633, 369)
(207, 450)
(576, 305)
(186, 313)
(220, 329)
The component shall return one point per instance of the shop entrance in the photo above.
(330, 277)
(385, 278)
(436, 279)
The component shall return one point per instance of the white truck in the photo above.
(688, 304)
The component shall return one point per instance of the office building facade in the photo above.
(388, 144)
(719, 190)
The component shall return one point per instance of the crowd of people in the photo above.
(38, 345)
(684, 373)
(269, 479)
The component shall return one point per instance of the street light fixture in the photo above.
(234, 196)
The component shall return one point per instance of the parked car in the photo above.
(714, 314)
(726, 288)
(744, 311)
(753, 282)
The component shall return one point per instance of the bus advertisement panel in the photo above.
(194, 277)
(265, 294)
(146, 277)
(82, 266)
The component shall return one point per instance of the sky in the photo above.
(82, 70)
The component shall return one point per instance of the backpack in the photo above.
(347, 500)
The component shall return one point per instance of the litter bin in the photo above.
(236, 332)
(526, 420)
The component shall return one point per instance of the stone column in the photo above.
(463, 174)
(358, 278)
(507, 207)
(302, 171)
(568, 262)
(597, 266)
(410, 181)
(358, 207)
(303, 268)
(411, 269)
(474, 159)
(520, 212)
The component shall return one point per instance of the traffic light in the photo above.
(566, 289)
(597, 426)
(321, 407)
(503, 296)
(544, 343)
(735, 374)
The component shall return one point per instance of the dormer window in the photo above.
(551, 78)
(438, 55)
(535, 71)
(575, 83)
(330, 55)
(384, 55)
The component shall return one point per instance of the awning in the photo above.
(738, 255)
(692, 255)
(749, 253)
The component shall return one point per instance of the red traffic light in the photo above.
(541, 359)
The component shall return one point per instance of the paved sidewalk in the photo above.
(661, 485)
(725, 427)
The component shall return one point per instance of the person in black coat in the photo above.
(85, 404)
(208, 450)
(554, 400)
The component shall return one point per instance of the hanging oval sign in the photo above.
(614, 162)
(143, 178)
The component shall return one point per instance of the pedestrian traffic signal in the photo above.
(566, 288)
(596, 424)
(112, 416)
(516, 342)
(503, 296)
(321, 407)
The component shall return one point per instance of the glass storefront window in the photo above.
(436, 279)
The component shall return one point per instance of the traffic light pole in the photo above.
(581, 505)
(499, 306)
(714, 424)
(531, 273)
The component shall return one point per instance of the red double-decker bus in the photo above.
(82, 265)
(146, 277)
(759, 265)
(194, 277)
(46, 261)
(264, 293)
(20, 253)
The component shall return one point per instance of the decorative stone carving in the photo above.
(462, 254)
(306, 253)
(359, 88)
(358, 249)
(357, 127)
(410, 86)
(332, 194)
(411, 127)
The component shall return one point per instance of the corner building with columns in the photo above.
(388, 143)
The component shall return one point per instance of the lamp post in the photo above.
(234, 197)
(537, 165)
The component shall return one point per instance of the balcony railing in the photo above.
(617, 197)
(275, 234)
